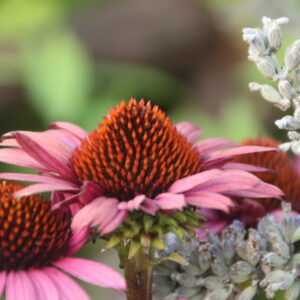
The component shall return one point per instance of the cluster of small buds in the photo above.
(263, 46)
(237, 265)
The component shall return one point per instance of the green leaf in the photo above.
(57, 75)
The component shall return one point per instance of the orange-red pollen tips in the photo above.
(31, 234)
(136, 150)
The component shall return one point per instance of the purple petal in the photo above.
(72, 128)
(243, 150)
(20, 287)
(189, 130)
(2, 282)
(89, 192)
(245, 167)
(213, 144)
(229, 180)
(34, 178)
(68, 289)
(92, 272)
(43, 156)
(149, 206)
(77, 241)
(209, 200)
(133, 204)
(97, 212)
(261, 190)
(192, 181)
(167, 201)
(115, 222)
(20, 158)
(43, 187)
(44, 286)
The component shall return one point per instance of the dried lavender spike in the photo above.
(263, 46)
(259, 259)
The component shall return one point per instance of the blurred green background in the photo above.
(72, 60)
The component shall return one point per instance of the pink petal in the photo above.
(133, 204)
(44, 286)
(209, 200)
(9, 142)
(66, 202)
(72, 128)
(229, 180)
(64, 136)
(77, 241)
(67, 287)
(43, 187)
(35, 178)
(115, 222)
(243, 150)
(214, 227)
(167, 201)
(19, 158)
(92, 272)
(213, 144)
(192, 181)
(245, 167)
(98, 211)
(149, 206)
(43, 156)
(89, 191)
(2, 282)
(261, 190)
(20, 287)
(277, 214)
(189, 130)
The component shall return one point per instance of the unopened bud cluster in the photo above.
(237, 265)
(263, 46)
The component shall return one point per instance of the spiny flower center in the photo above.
(136, 150)
(31, 234)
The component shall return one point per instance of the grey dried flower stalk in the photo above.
(263, 46)
(236, 265)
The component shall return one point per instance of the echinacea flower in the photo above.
(283, 174)
(35, 243)
(136, 160)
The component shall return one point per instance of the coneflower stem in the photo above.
(138, 274)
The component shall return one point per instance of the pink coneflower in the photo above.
(34, 243)
(135, 160)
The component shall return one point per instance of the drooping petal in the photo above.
(209, 200)
(115, 222)
(133, 204)
(68, 289)
(149, 206)
(189, 130)
(229, 180)
(98, 211)
(92, 272)
(261, 190)
(20, 287)
(243, 150)
(168, 201)
(44, 286)
(89, 192)
(2, 282)
(246, 167)
(43, 156)
(34, 178)
(192, 181)
(20, 158)
(77, 241)
(72, 128)
(213, 144)
(43, 187)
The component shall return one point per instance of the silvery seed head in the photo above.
(262, 258)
